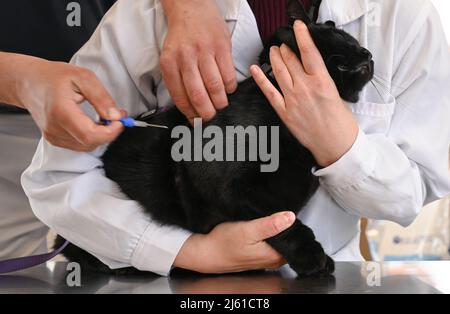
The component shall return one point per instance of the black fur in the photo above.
(200, 195)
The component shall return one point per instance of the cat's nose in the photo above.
(365, 69)
(366, 53)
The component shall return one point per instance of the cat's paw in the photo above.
(312, 262)
(328, 269)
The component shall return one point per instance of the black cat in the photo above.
(200, 195)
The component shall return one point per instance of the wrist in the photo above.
(192, 254)
(340, 145)
(173, 7)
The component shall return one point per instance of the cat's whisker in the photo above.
(381, 83)
(381, 79)
(378, 91)
(386, 89)
(384, 86)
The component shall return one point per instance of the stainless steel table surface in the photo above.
(395, 277)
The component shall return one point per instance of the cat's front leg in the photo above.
(304, 254)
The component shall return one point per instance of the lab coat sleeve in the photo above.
(391, 176)
(69, 192)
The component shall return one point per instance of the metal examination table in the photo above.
(395, 277)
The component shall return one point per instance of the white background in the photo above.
(443, 7)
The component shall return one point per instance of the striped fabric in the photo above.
(271, 14)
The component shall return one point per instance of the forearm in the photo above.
(191, 255)
(13, 74)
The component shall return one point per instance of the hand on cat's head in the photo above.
(350, 66)
(308, 101)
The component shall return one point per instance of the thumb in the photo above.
(93, 91)
(268, 227)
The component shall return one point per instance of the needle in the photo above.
(129, 122)
(143, 124)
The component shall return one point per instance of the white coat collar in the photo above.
(342, 12)
(229, 8)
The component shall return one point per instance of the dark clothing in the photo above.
(40, 28)
(271, 14)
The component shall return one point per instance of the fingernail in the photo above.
(290, 216)
(116, 125)
(114, 114)
(284, 220)
(284, 48)
(221, 106)
(231, 89)
(123, 113)
(299, 23)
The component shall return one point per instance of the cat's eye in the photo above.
(343, 68)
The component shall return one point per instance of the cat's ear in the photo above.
(283, 35)
(330, 23)
(286, 35)
(296, 11)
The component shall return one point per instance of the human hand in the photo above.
(310, 105)
(53, 91)
(196, 61)
(235, 247)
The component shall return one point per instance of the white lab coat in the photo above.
(398, 163)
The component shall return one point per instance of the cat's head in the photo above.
(350, 65)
